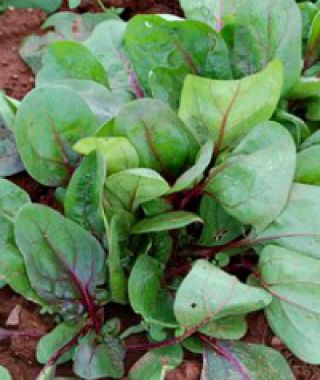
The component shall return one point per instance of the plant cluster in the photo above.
(185, 154)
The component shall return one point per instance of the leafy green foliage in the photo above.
(4, 373)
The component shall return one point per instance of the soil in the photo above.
(18, 353)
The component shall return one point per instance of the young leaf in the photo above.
(298, 226)
(82, 201)
(46, 130)
(254, 183)
(242, 361)
(164, 222)
(64, 262)
(147, 297)
(94, 360)
(106, 43)
(156, 363)
(153, 128)
(56, 339)
(225, 111)
(193, 175)
(216, 296)
(190, 45)
(4, 374)
(218, 227)
(294, 314)
(119, 153)
(70, 60)
(130, 188)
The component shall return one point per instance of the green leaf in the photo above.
(253, 184)
(130, 188)
(56, 339)
(298, 226)
(216, 296)
(256, 33)
(64, 262)
(194, 175)
(308, 11)
(46, 130)
(189, 45)
(238, 361)
(4, 374)
(48, 373)
(47, 5)
(164, 222)
(156, 363)
(106, 43)
(308, 168)
(233, 327)
(153, 128)
(70, 60)
(147, 297)
(7, 110)
(225, 111)
(82, 202)
(10, 162)
(218, 227)
(119, 153)
(93, 360)
(294, 314)
(74, 3)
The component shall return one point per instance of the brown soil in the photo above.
(18, 353)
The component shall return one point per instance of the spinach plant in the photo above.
(185, 156)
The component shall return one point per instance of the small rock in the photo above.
(14, 316)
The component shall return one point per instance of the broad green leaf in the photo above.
(157, 207)
(253, 184)
(225, 111)
(46, 130)
(294, 314)
(239, 361)
(47, 5)
(56, 339)
(10, 162)
(218, 227)
(119, 153)
(189, 45)
(233, 327)
(308, 168)
(308, 11)
(154, 129)
(48, 373)
(308, 90)
(162, 246)
(7, 111)
(74, 3)
(64, 262)
(104, 103)
(4, 374)
(106, 43)
(256, 32)
(147, 297)
(298, 226)
(156, 363)
(164, 222)
(70, 60)
(193, 175)
(93, 360)
(130, 188)
(82, 201)
(217, 295)
(117, 277)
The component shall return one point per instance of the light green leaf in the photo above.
(48, 373)
(130, 188)
(147, 297)
(82, 201)
(308, 168)
(218, 227)
(217, 295)
(10, 162)
(47, 5)
(298, 226)
(153, 128)
(70, 60)
(7, 110)
(119, 153)
(93, 360)
(294, 314)
(194, 175)
(74, 3)
(239, 361)
(254, 183)
(189, 45)
(46, 130)
(156, 363)
(56, 339)
(106, 43)
(225, 111)
(164, 222)
(233, 327)
(64, 261)
(4, 374)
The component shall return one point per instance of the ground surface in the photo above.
(17, 354)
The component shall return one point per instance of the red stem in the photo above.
(194, 193)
